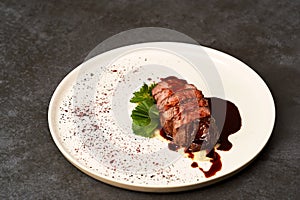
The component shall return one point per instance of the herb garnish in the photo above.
(145, 116)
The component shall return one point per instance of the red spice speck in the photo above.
(95, 126)
(114, 70)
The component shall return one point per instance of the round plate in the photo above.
(89, 115)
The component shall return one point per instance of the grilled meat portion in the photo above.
(184, 112)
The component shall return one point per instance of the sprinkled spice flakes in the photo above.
(89, 129)
(94, 129)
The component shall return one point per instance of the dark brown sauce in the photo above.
(216, 164)
(194, 165)
(228, 121)
(190, 155)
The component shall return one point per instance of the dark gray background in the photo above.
(41, 42)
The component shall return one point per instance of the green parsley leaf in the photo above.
(145, 131)
(145, 116)
(143, 94)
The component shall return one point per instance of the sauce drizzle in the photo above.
(215, 167)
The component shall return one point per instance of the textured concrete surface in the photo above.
(40, 42)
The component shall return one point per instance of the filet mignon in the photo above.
(184, 113)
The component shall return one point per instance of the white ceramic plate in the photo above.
(89, 115)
